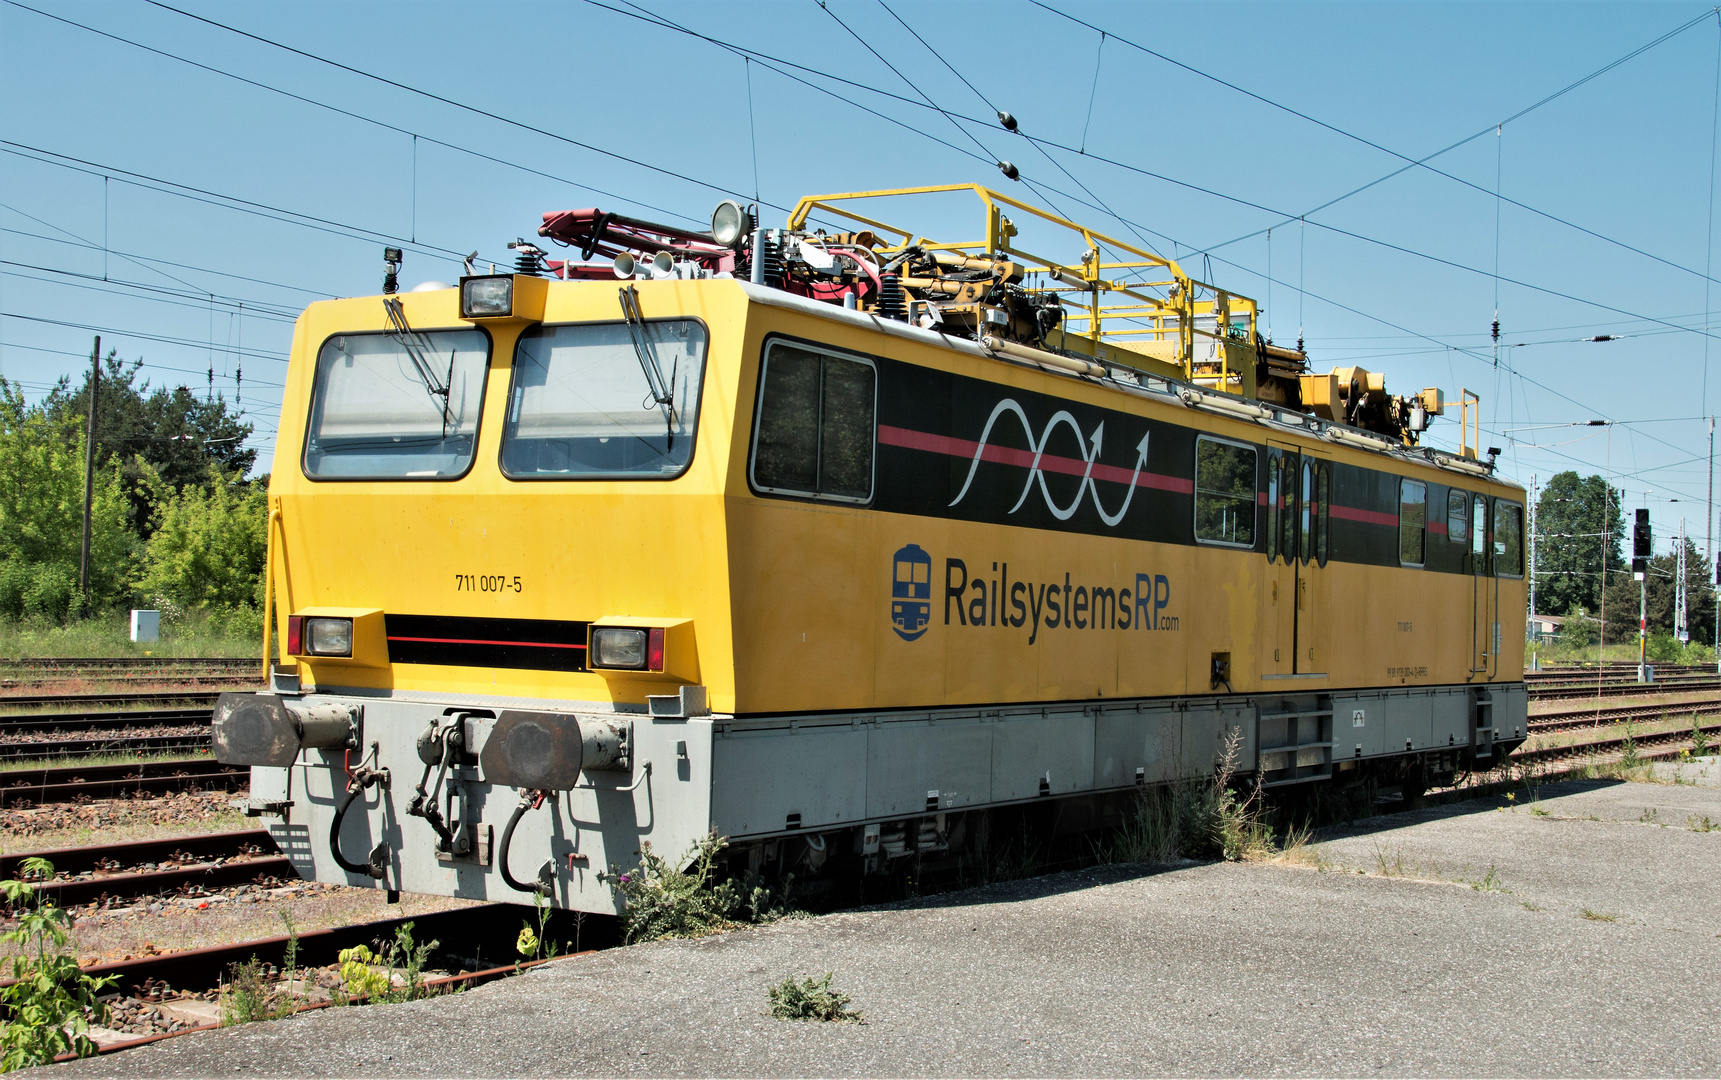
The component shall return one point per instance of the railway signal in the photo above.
(1639, 570)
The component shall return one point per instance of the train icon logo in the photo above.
(911, 592)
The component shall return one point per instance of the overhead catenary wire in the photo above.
(451, 102)
(660, 21)
(1414, 163)
(1012, 126)
(1479, 271)
(1048, 155)
(415, 135)
(214, 198)
(132, 255)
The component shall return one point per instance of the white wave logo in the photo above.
(1090, 455)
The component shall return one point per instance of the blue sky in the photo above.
(163, 150)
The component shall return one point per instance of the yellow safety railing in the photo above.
(1161, 304)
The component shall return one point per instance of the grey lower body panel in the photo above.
(787, 774)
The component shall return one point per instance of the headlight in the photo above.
(486, 297)
(329, 637)
(730, 224)
(614, 648)
(627, 648)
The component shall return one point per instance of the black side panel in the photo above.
(532, 644)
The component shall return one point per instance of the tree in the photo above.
(1571, 516)
(1659, 597)
(169, 431)
(207, 550)
(41, 515)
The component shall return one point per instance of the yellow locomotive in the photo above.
(833, 539)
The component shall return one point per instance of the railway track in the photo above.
(1652, 746)
(186, 698)
(83, 665)
(21, 788)
(130, 731)
(1568, 719)
(1559, 691)
(232, 681)
(186, 865)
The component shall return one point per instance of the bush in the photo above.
(812, 999)
(250, 996)
(48, 1002)
(207, 552)
(45, 591)
(1664, 649)
(1197, 819)
(661, 900)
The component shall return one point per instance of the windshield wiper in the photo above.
(662, 390)
(418, 350)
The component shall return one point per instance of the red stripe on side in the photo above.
(1370, 517)
(1005, 455)
(472, 641)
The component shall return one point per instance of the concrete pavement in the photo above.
(1576, 934)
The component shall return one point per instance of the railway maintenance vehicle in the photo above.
(840, 541)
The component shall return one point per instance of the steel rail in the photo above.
(119, 697)
(235, 681)
(76, 782)
(1615, 689)
(1568, 719)
(155, 867)
(57, 662)
(1648, 746)
(101, 720)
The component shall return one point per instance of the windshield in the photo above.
(379, 413)
(594, 401)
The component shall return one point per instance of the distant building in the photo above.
(1545, 626)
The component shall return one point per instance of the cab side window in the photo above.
(1412, 521)
(1224, 492)
(1508, 539)
(1457, 512)
(813, 432)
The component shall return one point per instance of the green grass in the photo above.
(193, 634)
(1597, 916)
(92, 760)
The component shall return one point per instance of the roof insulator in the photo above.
(1009, 170)
(1007, 120)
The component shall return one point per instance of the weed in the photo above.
(1389, 868)
(1699, 738)
(662, 900)
(812, 999)
(249, 996)
(1527, 906)
(1201, 818)
(292, 957)
(410, 958)
(1597, 916)
(1296, 849)
(1701, 825)
(358, 977)
(1168, 822)
(1490, 881)
(1628, 757)
(50, 1002)
(1539, 811)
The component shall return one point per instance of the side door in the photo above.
(1314, 488)
(1483, 593)
(1279, 584)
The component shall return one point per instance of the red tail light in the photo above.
(295, 634)
(654, 650)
